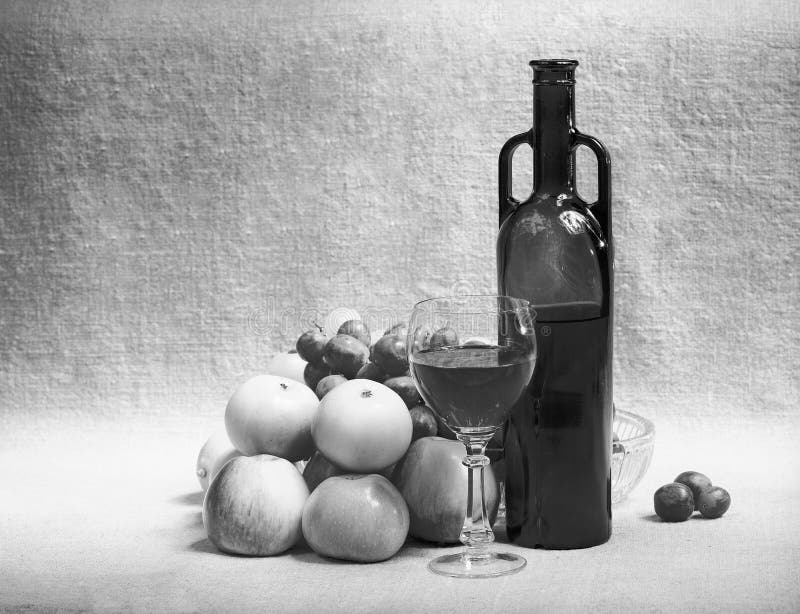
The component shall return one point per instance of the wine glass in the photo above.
(471, 358)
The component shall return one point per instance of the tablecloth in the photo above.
(107, 518)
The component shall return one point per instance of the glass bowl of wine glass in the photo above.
(632, 452)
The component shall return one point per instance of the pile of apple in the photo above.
(334, 447)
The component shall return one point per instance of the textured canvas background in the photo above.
(184, 185)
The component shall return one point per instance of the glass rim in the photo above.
(523, 301)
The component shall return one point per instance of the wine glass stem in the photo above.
(476, 534)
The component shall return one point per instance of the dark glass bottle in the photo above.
(555, 250)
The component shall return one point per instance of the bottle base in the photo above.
(545, 546)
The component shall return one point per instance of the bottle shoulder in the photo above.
(545, 217)
(552, 252)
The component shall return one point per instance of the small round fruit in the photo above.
(371, 371)
(346, 355)
(443, 430)
(314, 372)
(401, 329)
(254, 506)
(311, 345)
(444, 337)
(287, 364)
(268, 414)
(421, 338)
(337, 317)
(357, 329)
(318, 470)
(714, 502)
(697, 483)
(389, 353)
(423, 422)
(216, 451)
(359, 518)
(362, 426)
(674, 502)
(328, 383)
(406, 388)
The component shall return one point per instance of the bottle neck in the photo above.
(553, 125)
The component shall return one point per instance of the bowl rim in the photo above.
(647, 425)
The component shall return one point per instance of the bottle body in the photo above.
(554, 251)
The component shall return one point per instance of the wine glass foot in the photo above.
(493, 564)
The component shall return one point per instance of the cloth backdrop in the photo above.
(186, 186)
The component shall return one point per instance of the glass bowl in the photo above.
(631, 454)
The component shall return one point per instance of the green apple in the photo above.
(254, 506)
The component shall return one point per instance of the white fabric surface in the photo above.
(108, 520)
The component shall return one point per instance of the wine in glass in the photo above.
(472, 358)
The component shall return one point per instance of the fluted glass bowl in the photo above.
(631, 454)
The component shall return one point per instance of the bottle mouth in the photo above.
(553, 72)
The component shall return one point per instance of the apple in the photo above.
(254, 506)
(269, 414)
(287, 364)
(356, 518)
(433, 482)
(362, 426)
(216, 451)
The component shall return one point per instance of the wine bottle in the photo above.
(555, 250)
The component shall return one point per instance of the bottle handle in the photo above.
(601, 208)
(507, 202)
